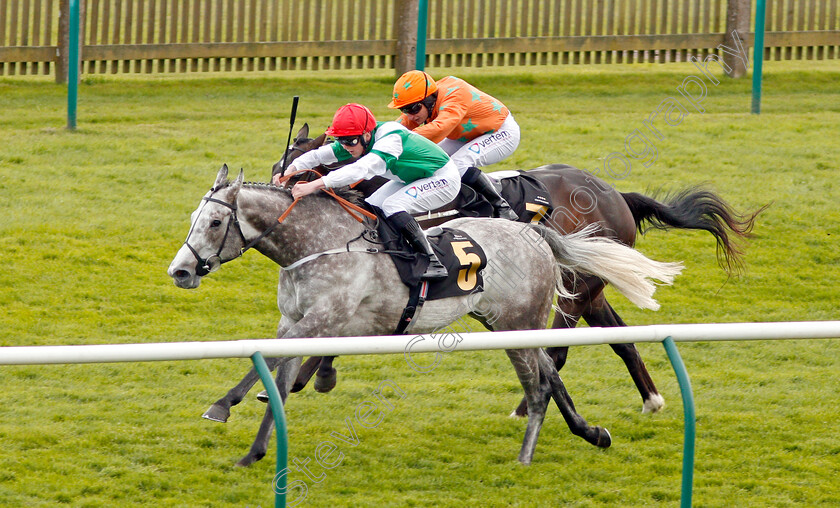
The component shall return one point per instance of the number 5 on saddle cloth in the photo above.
(462, 256)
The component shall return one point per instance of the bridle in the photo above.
(214, 262)
(309, 175)
(286, 154)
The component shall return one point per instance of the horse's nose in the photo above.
(181, 275)
(183, 278)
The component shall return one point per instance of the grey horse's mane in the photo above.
(353, 196)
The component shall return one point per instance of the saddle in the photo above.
(527, 196)
(463, 257)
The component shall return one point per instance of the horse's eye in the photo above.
(216, 223)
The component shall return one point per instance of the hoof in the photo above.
(263, 397)
(521, 410)
(248, 460)
(297, 387)
(604, 439)
(653, 404)
(217, 413)
(324, 384)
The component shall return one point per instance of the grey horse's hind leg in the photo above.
(287, 371)
(537, 394)
(557, 354)
(220, 410)
(595, 435)
(541, 382)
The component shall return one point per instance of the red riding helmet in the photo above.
(351, 120)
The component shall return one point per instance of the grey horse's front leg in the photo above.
(320, 321)
(287, 371)
(220, 410)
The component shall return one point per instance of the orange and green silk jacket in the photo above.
(462, 112)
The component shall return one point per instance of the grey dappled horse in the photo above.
(581, 199)
(359, 293)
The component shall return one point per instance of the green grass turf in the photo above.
(91, 219)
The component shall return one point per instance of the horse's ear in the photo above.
(221, 178)
(303, 133)
(319, 141)
(237, 184)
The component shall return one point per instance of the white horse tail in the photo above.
(627, 269)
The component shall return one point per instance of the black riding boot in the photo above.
(479, 181)
(405, 224)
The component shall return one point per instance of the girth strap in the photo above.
(416, 299)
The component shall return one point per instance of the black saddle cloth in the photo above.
(526, 195)
(460, 254)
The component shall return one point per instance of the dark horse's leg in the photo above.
(324, 383)
(592, 305)
(601, 313)
(326, 376)
(307, 370)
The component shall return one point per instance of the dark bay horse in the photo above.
(326, 290)
(581, 199)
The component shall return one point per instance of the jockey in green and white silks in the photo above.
(421, 173)
(422, 177)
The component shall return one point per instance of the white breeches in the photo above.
(486, 149)
(419, 196)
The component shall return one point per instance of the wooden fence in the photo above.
(156, 36)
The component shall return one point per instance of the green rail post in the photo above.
(276, 404)
(758, 56)
(73, 65)
(690, 421)
(422, 14)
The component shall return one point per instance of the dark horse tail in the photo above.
(697, 208)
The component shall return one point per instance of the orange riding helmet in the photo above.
(351, 120)
(411, 87)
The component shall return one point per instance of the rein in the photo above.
(347, 205)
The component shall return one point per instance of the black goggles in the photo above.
(412, 109)
(348, 140)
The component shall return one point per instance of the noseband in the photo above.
(212, 263)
